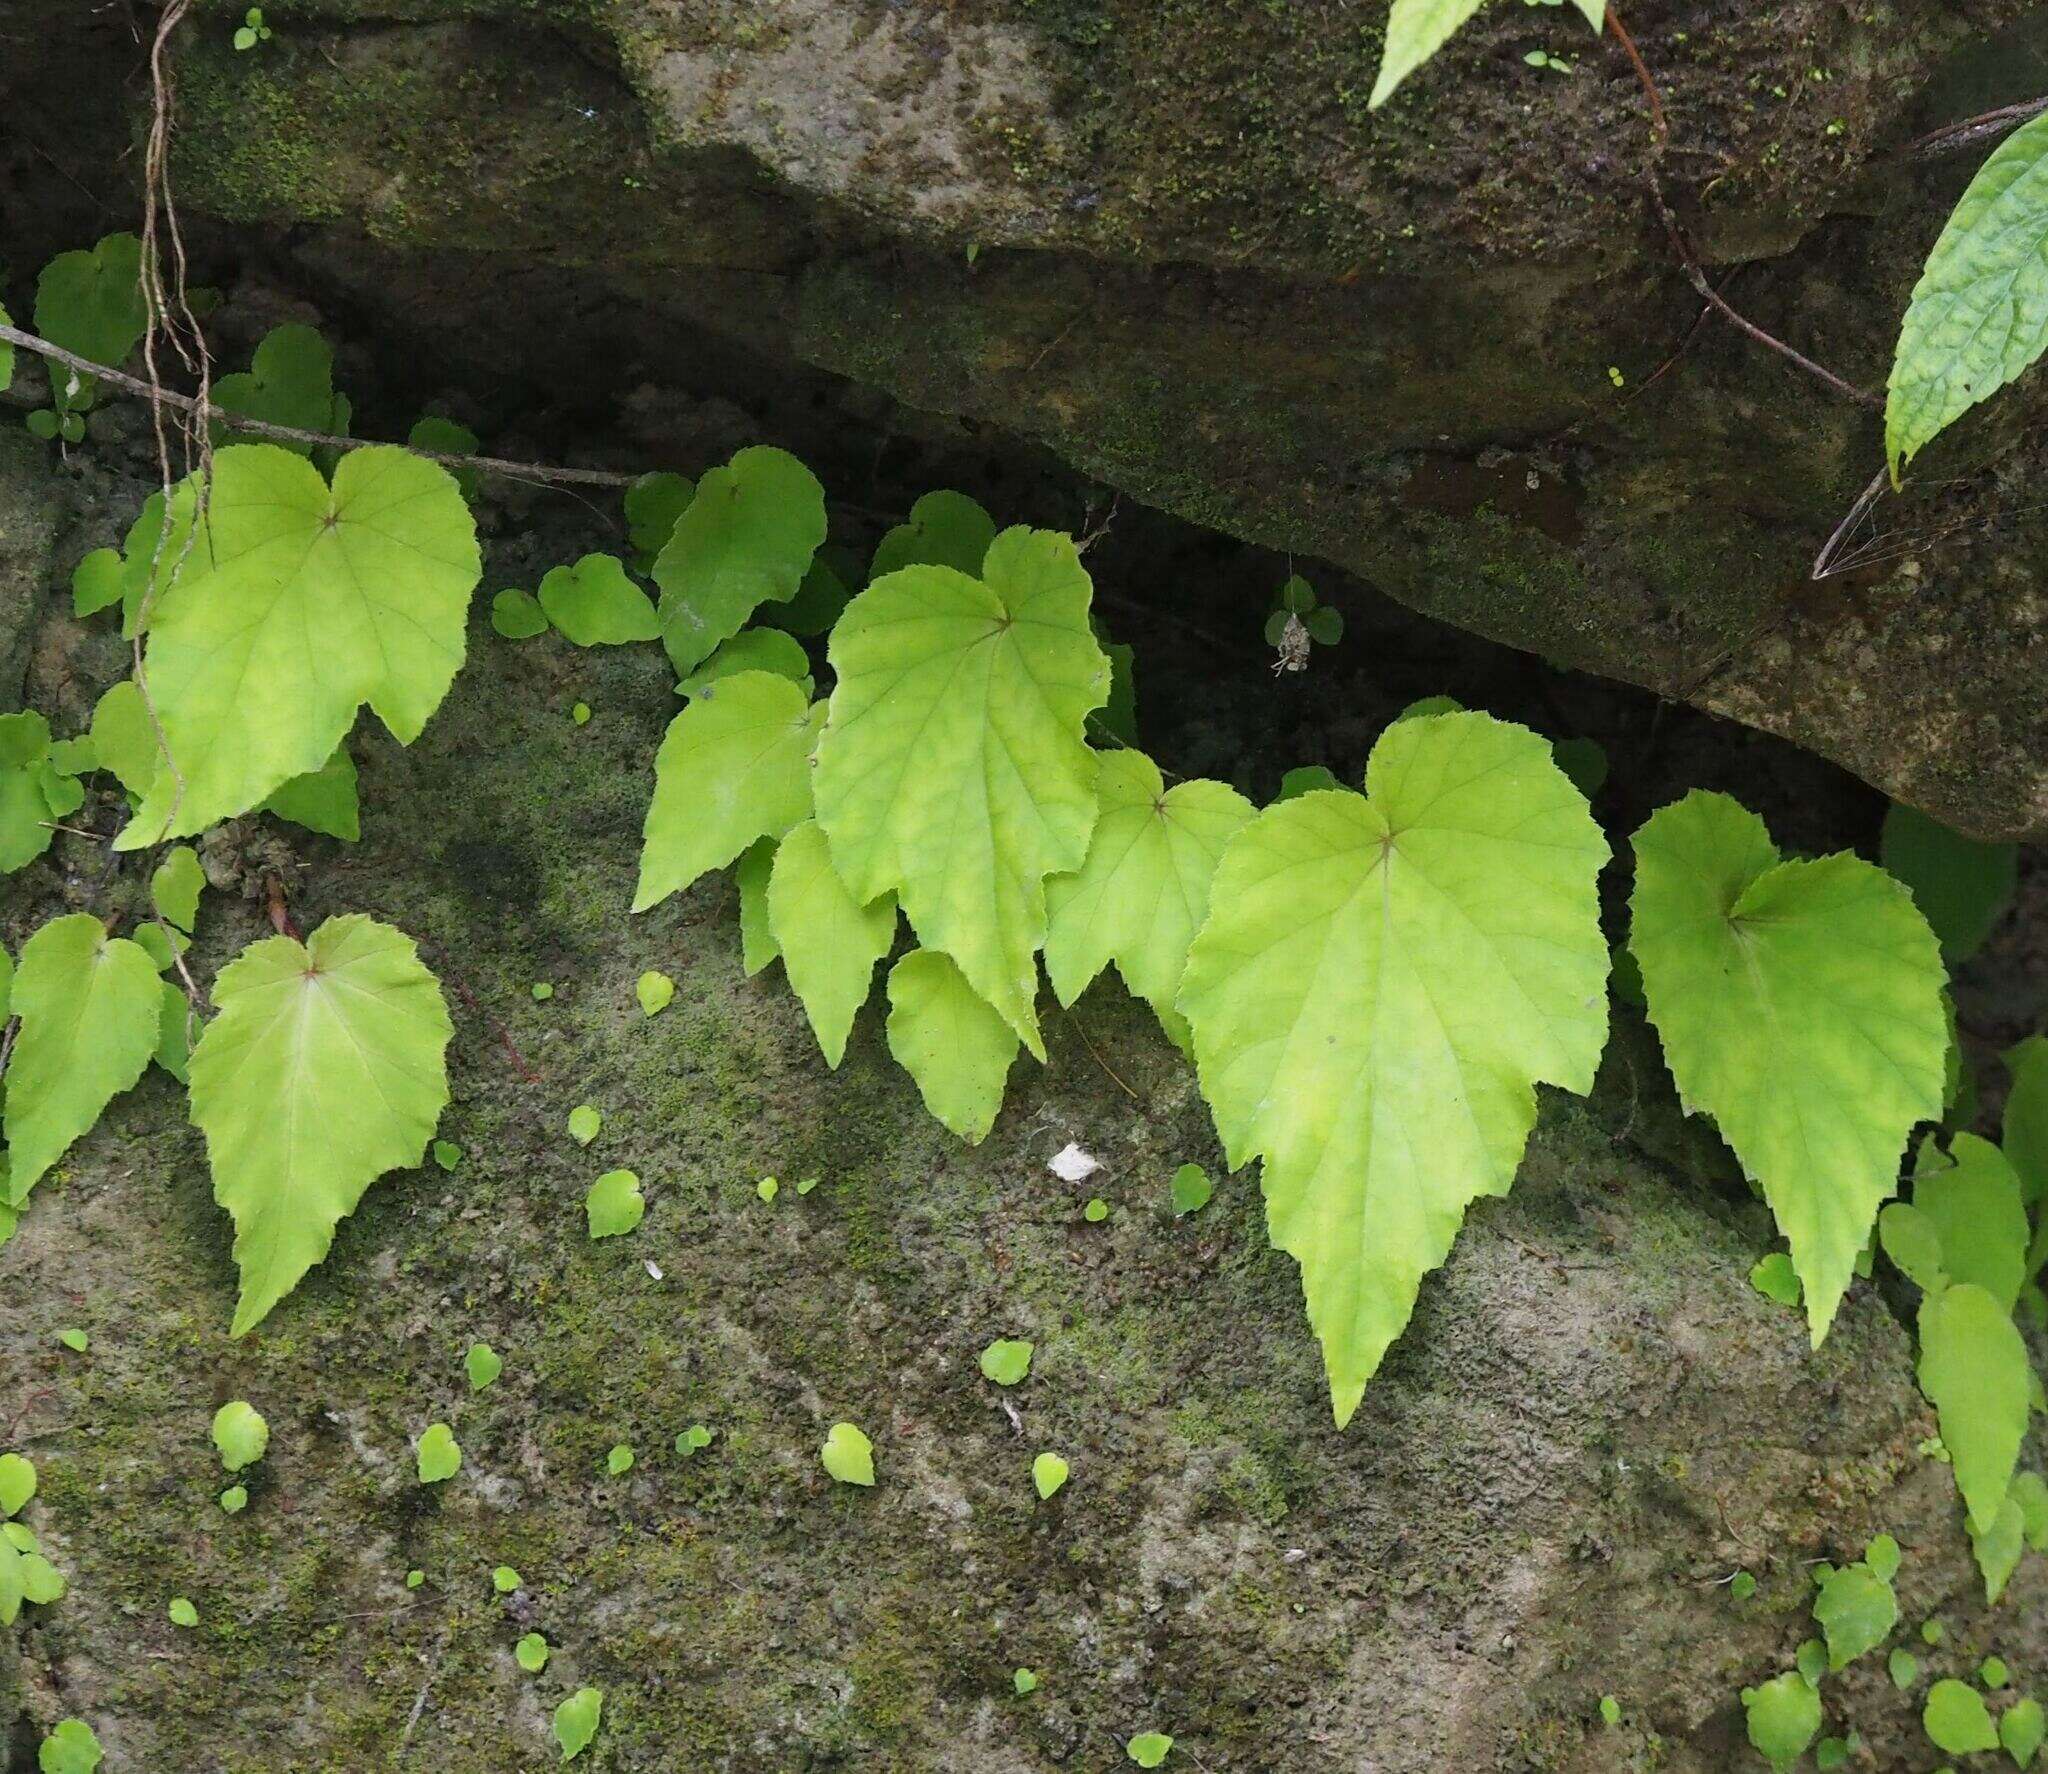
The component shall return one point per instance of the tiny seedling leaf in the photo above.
(437, 1454)
(1006, 1361)
(240, 1434)
(848, 1455)
(1148, 1749)
(1956, 1719)
(594, 604)
(575, 1721)
(614, 1204)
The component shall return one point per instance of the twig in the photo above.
(1698, 279)
(1660, 129)
(1100, 1061)
(1951, 136)
(1824, 562)
(1619, 31)
(1053, 344)
(531, 471)
(504, 1034)
(419, 1704)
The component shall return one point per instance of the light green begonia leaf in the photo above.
(1416, 30)
(1997, 1549)
(1977, 1212)
(323, 801)
(2023, 1134)
(290, 381)
(90, 302)
(122, 738)
(1956, 1719)
(734, 767)
(517, 614)
(1856, 1610)
(751, 875)
(89, 1005)
(1143, 891)
(594, 604)
(654, 504)
(828, 941)
(1782, 1717)
(175, 887)
(945, 530)
(1973, 1366)
(953, 770)
(303, 603)
(1979, 314)
(948, 1038)
(26, 811)
(1799, 1004)
(17, 1483)
(1913, 1242)
(13, 1581)
(324, 1069)
(2028, 1489)
(754, 649)
(1381, 983)
(96, 582)
(746, 539)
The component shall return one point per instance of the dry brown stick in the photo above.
(1620, 34)
(1951, 136)
(1824, 562)
(1660, 129)
(1698, 279)
(530, 471)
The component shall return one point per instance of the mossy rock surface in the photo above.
(1592, 1421)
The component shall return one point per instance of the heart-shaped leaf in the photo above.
(1382, 981)
(1800, 1005)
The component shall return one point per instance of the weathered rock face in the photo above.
(1593, 1421)
(1165, 238)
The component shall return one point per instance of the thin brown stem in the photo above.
(1659, 126)
(1698, 279)
(1970, 130)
